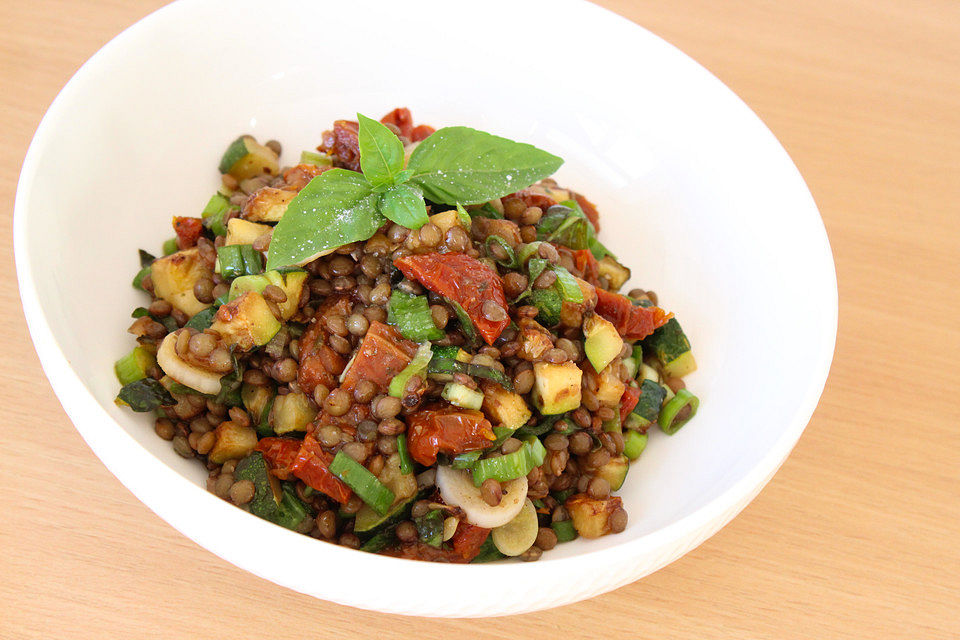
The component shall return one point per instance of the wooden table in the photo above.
(856, 536)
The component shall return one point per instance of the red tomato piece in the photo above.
(300, 176)
(344, 143)
(589, 210)
(382, 354)
(421, 132)
(401, 119)
(632, 322)
(584, 260)
(465, 545)
(466, 281)
(313, 467)
(446, 429)
(188, 231)
(319, 363)
(280, 454)
(629, 399)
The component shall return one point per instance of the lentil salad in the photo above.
(411, 342)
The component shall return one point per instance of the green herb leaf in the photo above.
(463, 165)
(381, 152)
(403, 204)
(145, 394)
(336, 208)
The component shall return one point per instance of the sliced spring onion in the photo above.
(373, 492)
(668, 421)
(134, 365)
(445, 364)
(411, 315)
(416, 367)
(466, 324)
(528, 251)
(406, 463)
(170, 246)
(237, 260)
(446, 352)
(567, 286)
(633, 444)
(314, 158)
(462, 396)
(565, 530)
(535, 267)
(509, 259)
(464, 217)
(430, 528)
(511, 465)
(214, 213)
(466, 460)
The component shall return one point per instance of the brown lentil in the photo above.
(182, 446)
(531, 215)
(556, 442)
(598, 488)
(555, 356)
(357, 324)
(367, 431)
(510, 445)
(242, 491)
(329, 435)
(205, 442)
(285, 370)
(406, 531)
(545, 280)
(430, 235)
(350, 540)
(164, 428)
(420, 508)
(337, 403)
(387, 407)
(273, 293)
(327, 524)
(546, 538)
(617, 520)
(523, 381)
(491, 492)
(532, 554)
(440, 315)
(387, 445)
(598, 458)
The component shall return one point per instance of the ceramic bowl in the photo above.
(695, 193)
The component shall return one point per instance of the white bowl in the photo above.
(695, 194)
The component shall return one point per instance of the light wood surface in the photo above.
(857, 536)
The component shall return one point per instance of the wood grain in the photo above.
(856, 536)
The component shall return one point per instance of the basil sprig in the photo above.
(454, 166)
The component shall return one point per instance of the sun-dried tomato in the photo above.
(584, 260)
(313, 467)
(343, 143)
(319, 363)
(188, 231)
(280, 454)
(382, 354)
(421, 132)
(300, 176)
(446, 429)
(629, 400)
(401, 119)
(465, 280)
(632, 322)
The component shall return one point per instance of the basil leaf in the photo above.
(381, 152)
(145, 394)
(146, 258)
(403, 204)
(460, 164)
(336, 208)
(230, 386)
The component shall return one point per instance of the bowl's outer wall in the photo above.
(696, 196)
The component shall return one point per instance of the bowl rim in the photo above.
(123, 455)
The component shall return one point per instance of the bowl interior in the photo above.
(695, 195)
